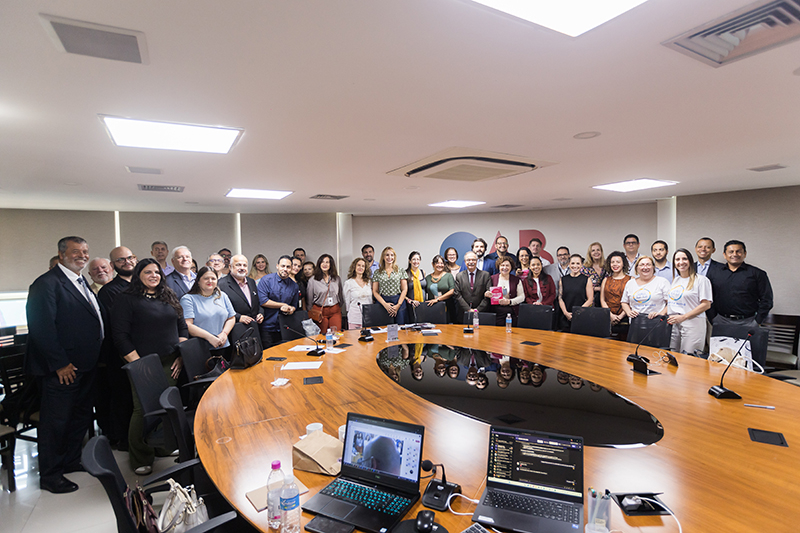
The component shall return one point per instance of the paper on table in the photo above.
(303, 348)
(333, 350)
(311, 365)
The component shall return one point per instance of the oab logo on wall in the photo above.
(462, 242)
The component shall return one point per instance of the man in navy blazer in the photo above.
(65, 332)
(182, 278)
(242, 292)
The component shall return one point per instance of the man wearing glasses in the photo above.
(561, 266)
(631, 243)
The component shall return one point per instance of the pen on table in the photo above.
(759, 406)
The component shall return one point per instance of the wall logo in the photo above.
(462, 242)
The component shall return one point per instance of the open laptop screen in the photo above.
(536, 462)
(386, 449)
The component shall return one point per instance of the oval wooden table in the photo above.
(710, 473)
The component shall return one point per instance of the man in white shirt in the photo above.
(535, 246)
(663, 266)
(704, 249)
(160, 251)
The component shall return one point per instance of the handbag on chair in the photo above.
(246, 352)
(182, 510)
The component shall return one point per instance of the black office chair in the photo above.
(758, 342)
(293, 321)
(641, 326)
(7, 444)
(536, 317)
(435, 314)
(98, 460)
(195, 353)
(484, 319)
(148, 381)
(20, 407)
(170, 401)
(592, 321)
(375, 315)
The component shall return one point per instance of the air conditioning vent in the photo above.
(161, 188)
(143, 170)
(327, 197)
(765, 168)
(506, 206)
(750, 30)
(470, 165)
(96, 40)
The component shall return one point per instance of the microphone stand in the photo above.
(438, 493)
(719, 391)
(317, 352)
(635, 355)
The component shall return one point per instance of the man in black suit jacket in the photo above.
(181, 279)
(470, 293)
(65, 332)
(242, 292)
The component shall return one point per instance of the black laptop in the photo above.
(379, 481)
(534, 482)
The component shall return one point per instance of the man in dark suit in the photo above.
(182, 278)
(242, 292)
(471, 286)
(65, 334)
(704, 249)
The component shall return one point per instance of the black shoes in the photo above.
(58, 485)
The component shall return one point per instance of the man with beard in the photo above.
(101, 273)
(242, 292)
(114, 403)
(479, 248)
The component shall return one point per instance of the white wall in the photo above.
(275, 235)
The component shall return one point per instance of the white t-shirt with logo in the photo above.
(681, 300)
(646, 298)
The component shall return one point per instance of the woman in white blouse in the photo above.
(357, 292)
(646, 294)
(513, 292)
(687, 301)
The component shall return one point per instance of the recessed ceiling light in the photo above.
(586, 135)
(260, 194)
(369, 199)
(571, 17)
(634, 185)
(134, 133)
(457, 204)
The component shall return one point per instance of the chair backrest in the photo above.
(98, 460)
(784, 332)
(641, 326)
(22, 398)
(7, 335)
(148, 380)
(375, 315)
(295, 322)
(592, 321)
(435, 314)
(758, 342)
(484, 319)
(536, 317)
(170, 401)
(195, 352)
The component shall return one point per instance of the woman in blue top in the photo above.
(208, 311)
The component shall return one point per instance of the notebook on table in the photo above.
(534, 482)
(379, 480)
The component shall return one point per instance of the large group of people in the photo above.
(134, 308)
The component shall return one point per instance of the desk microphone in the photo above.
(719, 391)
(317, 352)
(438, 492)
(635, 356)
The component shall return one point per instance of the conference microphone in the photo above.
(635, 356)
(317, 352)
(719, 391)
(438, 492)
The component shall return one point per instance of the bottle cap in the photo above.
(276, 465)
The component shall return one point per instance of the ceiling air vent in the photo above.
(750, 30)
(765, 168)
(143, 170)
(96, 40)
(327, 197)
(466, 164)
(161, 188)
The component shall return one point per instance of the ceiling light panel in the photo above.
(456, 204)
(133, 133)
(634, 185)
(259, 194)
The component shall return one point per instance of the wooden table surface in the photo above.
(710, 473)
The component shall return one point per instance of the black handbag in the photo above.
(246, 351)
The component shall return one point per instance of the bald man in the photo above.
(242, 292)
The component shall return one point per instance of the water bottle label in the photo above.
(288, 504)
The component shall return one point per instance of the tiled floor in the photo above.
(30, 510)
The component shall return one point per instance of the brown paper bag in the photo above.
(318, 453)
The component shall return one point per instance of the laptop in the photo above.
(534, 482)
(379, 480)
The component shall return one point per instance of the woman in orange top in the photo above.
(612, 288)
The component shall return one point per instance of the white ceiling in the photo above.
(334, 94)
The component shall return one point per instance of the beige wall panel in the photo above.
(279, 234)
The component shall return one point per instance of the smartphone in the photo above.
(312, 380)
(275, 358)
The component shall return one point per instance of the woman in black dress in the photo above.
(147, 318)
(574, 290)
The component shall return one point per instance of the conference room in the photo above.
(343, 105)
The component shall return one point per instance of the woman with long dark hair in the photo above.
(208, 312)
(688, 299)
(539, 287)
(324, 296)
(357, 292)
(147, 318)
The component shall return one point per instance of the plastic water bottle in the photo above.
(329, 339)
(508, 323)
(274, 485)
(475, 321)
(290, 506)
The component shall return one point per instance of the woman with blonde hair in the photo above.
(390, 285)
(594, 268)
(357, 292)
(646, 294)
(687, 302)
(260, 267)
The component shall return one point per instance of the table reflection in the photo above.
(502, 390)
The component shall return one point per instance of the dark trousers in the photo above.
(270, 338)
(65, 417)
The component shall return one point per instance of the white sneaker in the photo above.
(143, 470)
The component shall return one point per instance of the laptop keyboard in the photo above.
(368, 497)
(533, 506)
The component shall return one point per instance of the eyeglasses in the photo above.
(215, 260)
(630, 243)
(129, 259)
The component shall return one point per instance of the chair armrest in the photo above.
(214, 523)
(199, 382)
(158, 412)
(172, 471)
